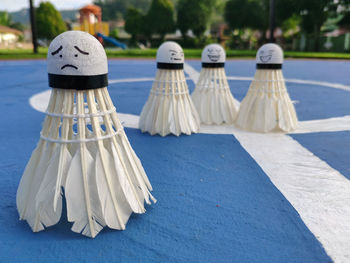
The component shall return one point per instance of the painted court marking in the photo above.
(319, 193)
(39, 102)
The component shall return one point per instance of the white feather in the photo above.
(83, 204)
(104, 181)
(171, 111)
(267, 105)
(48, 206)
(35, 170)
(212, 97)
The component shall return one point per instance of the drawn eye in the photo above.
(60, 56)
(76, 55)
(173, 54)
(81, 51)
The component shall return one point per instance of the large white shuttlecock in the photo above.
(83, 148)
(212, 96)
(267, 105)
(169, 108)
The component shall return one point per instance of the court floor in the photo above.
(224, 195)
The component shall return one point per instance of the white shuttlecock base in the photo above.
(267, 105)
(212, 97)
(83, 148)
(169, 108)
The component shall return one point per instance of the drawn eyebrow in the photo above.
(172, 50)
(58, 50)
(82, 52)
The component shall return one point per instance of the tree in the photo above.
(118, 9)
(195, 16)
(6, 20)
(242, 14)
(313, 15)
(160, 18)
(133, 23)
(345, 12)
(254, 14)
(49, 21)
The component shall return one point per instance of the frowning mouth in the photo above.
(68, 65)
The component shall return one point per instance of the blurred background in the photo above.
(241, 25)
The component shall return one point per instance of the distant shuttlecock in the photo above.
(267, 105)
(212, 96)
(82, 149)
(169, 108)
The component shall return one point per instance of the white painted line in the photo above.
(130, 80)
(301, 81)
(194, 75)
(324, 125)
(129, 120)
(113, 81)
(40, 100)
(319, 193)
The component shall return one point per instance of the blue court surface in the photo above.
(216, 201)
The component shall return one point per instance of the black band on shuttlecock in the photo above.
(268, 66)
(170, 65)
(78, 82)
(213, 65)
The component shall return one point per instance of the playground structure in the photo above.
(90, 20)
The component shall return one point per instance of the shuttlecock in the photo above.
(212, 96)
(82, 149)
(169, 108)
(267, 105)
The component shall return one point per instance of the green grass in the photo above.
(22, 54)
(151, 53)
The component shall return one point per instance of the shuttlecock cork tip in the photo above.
(213, 55)
(77, 60)
(170, 56)
(269, 56)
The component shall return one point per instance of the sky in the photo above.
(15, 5)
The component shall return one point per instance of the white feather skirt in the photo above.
(169, 108)
(212, 97)
(267, 105)
(84, 150)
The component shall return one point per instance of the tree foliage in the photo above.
(49, 21)
(254, 14)
(133, 22)
(6, 20)
(160, 18)
(195, 16)
(314, 13)
(345, 12)
(118, 9)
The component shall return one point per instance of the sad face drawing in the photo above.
(76, 53)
